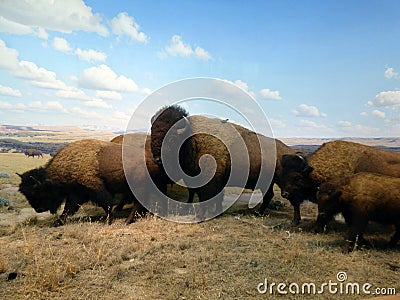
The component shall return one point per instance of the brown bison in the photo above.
(361, 198)
(201, 136)
(79, 172)
(142, 141)
(33, 153)
(301, 176)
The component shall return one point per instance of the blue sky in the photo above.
(317, 68)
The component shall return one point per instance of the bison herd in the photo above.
(361, 182)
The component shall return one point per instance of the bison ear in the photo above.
(307, 170)
(285, 158)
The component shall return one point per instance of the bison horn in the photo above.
(185, 127)
(19, 175)
(300, 155)
(34, 179)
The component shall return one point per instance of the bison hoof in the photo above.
(295, 222)
(261, 213)
(57, 223)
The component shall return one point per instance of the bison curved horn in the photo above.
(300, 155)
(185, 127)
(34, 179)
(19, 174)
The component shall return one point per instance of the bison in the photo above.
(33, 153)
(157, 174)
(79, 172)
(198, 137)
(361, 198)
(301, 176)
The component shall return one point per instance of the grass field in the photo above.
(225, 258)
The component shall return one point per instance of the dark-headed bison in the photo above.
(202, 136)
(301, 176)
(79, 172)
(361, 198)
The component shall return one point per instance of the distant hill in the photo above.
(385, 142)
(309, 145)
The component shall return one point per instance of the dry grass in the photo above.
(225, 258)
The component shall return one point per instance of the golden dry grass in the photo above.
(224, 258)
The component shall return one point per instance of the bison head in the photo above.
(295, 182)
(39, 191)
(162, 122)
(328, 198)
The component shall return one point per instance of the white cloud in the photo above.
(277, 123)
(55, 105)
(268, 94)
(390, 73)
(345, 124)
(356, 130)
(55, 15)
(123, 24)
(90, 55)
(304, 110)
(262, 94)
(73, 93)
(9, 57)
(13, 27)
(112, 95)
(243, 85)
(38, 106)
(102, 77)
(202, 54)
(178, 48)
(98, 103)
(389, 98)
(378, 114)
(8, 91)
(311, 124)
(5, 105)
(62, 45)
(364, 114)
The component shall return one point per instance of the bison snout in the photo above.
(285, 194)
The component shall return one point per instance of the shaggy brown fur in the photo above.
(361, 198)
(157, 174)
(204, 142)
(301, 177)
(79, 172)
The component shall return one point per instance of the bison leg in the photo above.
(104, 200)
(395, 238)
(191, 195)
(108, 210)
(296, 212)
(266, 200)
(70, 208)
(137, 210)
(355, 237)
(121, 203)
